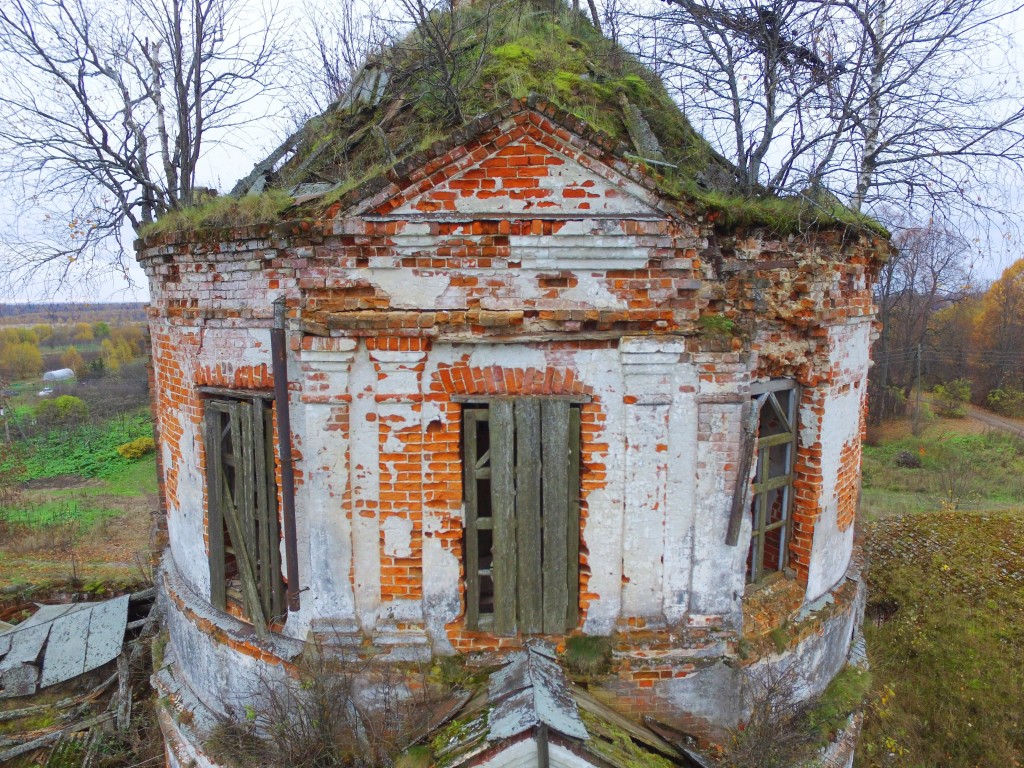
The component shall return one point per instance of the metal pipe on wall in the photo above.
(279, 356)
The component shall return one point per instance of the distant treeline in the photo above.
(70, 312)
(92, 349)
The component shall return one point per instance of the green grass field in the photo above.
(87, 451)
(945, 624)
(72, 507)
(960, 469)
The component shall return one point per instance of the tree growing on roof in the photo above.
(881, 101)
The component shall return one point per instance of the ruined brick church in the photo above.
(511, 386)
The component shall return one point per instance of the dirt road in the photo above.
(1012, 426)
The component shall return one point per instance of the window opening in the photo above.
(772, 502)
(242, 509)
(521, 538)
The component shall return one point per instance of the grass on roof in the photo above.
(502, 50)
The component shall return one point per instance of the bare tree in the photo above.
(444, 33)
(929, 272)
(903, 101)
(105, 110)
(341, 35)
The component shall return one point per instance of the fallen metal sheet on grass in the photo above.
(60, 642)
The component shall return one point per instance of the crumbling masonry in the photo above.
(528, 395)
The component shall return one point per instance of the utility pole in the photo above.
(916, 428)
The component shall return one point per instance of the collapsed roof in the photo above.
(419, 89)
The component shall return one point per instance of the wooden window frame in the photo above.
(243, 521)
(764, 483)
(528, 486)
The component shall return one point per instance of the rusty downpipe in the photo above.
(279, 356)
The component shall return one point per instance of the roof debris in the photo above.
(60, 642)
(530, 691)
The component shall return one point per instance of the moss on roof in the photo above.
(522, 48)
(508, 50)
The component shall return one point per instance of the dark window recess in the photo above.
(521, 467)
(772, 502)
(244, 527)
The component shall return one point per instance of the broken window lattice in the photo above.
(521, 538)
(243, 524)
(772, 490)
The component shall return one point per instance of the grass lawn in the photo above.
(945, 624)
(963, 465)
(79, 511)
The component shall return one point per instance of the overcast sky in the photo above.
(224, 163)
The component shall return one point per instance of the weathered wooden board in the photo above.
(503, 506)
(555, 457)
(215, 520)
(528, 515)
(469, 484)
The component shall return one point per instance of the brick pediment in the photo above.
(528, 178)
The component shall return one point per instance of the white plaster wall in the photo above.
(185, 519)
(324, 530)
(523, 754)
(718, 570)
(365, 482)
(681, 493)
(832, 548)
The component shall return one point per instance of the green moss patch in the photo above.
(843, 696)
(223, 212)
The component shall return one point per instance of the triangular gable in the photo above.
(571, 202)
(526, 177)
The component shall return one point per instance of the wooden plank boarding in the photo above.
(244, 473)
(214, 515)
(529, 532)
(245, 571)
(503, 569)
(740, 497)
(278, 591)
(555, 459)
(264, 541)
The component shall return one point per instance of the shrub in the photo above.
(136, 449)
(950, 399)
(717, 325)
(64, 411)
(1009, 401)
(778, 733)
(588, 656)
(332, 714)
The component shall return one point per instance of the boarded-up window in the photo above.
(244, 531)
(772, 502)
(521, 539)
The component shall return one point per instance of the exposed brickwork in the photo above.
(848, 485)
(526, 257)
(442, 482)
